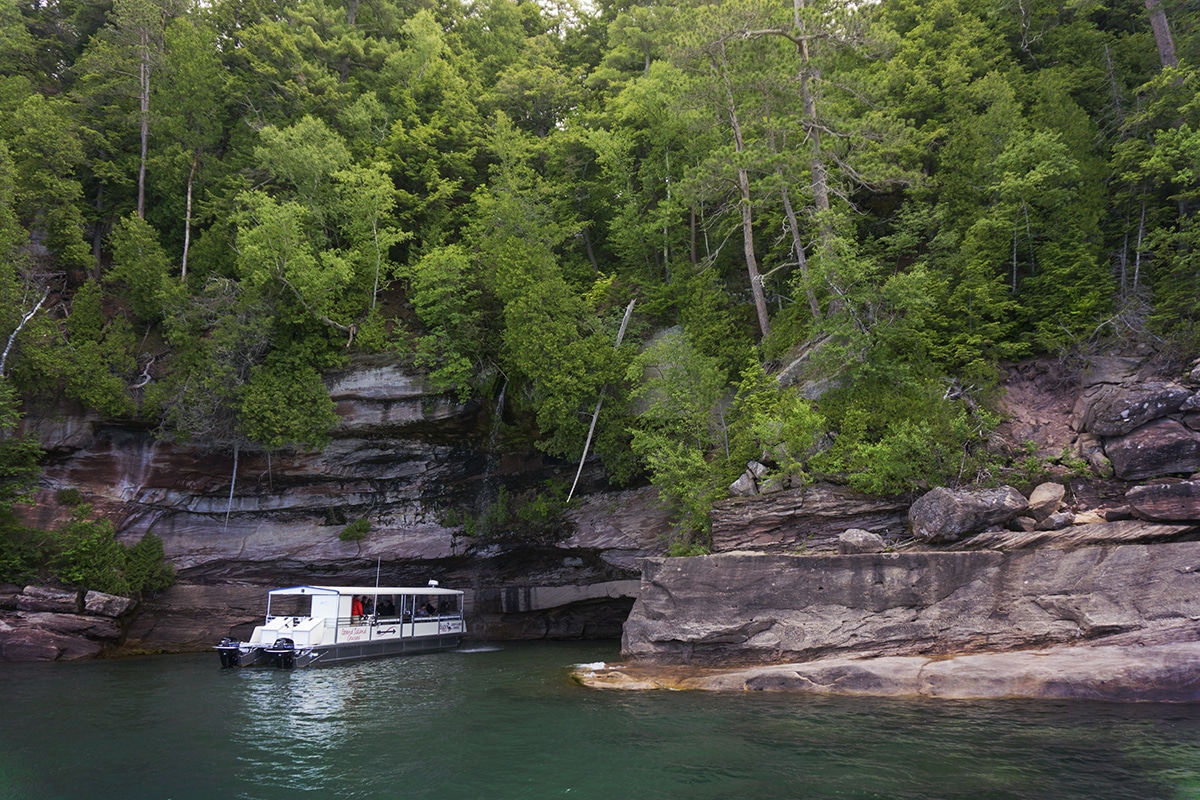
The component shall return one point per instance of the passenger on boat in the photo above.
(356, 608)
(386, 608)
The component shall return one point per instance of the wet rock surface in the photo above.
(1154, 673)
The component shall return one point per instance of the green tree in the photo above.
(140, 264)
(678, 392)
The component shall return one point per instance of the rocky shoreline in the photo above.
(408, 460)
(1164, 673)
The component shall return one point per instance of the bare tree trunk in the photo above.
(187, 216)
(12, 337)
(589, 252)
(692, 234)
(144, 87)
(98, 231)
(743, 178)
(232, 485)
(1137, 249)
(378, 262)
(820, 174)
(599, 400)
(801, 259)
(1162, 34)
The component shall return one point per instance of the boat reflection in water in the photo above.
(310, 626)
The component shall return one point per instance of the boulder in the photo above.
(1110, 369)
(946, 515)
(30, 644)
(857, 540)
(1166, 502)
(1161, 447)
(773, 484)
(1057, 521)
(106, 605)
(47, 598)
(1090, 448)
(744, 486)
(1116, 513)
(1045, 500)
(1117, 410)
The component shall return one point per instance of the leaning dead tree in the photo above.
(599, 400)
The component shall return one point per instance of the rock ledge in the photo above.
(1158, 673)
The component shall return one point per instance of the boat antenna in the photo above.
(375, 605)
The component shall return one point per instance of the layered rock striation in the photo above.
(411, 461)
(735, 609)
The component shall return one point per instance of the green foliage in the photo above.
(771, 424)
(285, 403)
(21, 549)
(902, 437)
(146, 568)
(533, 516)
(141, 265)
(88, 356)
(356, 530)
(19, 454)
(84, 553)
(68, 497)
(683, 548)
(447, 302)
(928, 189)
(678, 393)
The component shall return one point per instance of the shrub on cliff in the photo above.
(85, 553)
(355, 530)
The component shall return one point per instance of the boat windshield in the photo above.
(289, 605)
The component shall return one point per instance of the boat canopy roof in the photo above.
(361, 590)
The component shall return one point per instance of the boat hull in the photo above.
(358, 651)
(302, 657)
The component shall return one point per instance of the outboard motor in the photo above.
(228, 650)
(284, 651)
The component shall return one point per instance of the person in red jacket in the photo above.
(356, 608)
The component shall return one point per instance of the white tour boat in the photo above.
(310, 626)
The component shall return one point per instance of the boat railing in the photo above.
(392, 619)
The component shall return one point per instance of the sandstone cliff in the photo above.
(408, 460)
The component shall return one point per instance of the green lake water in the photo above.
(505, 721)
